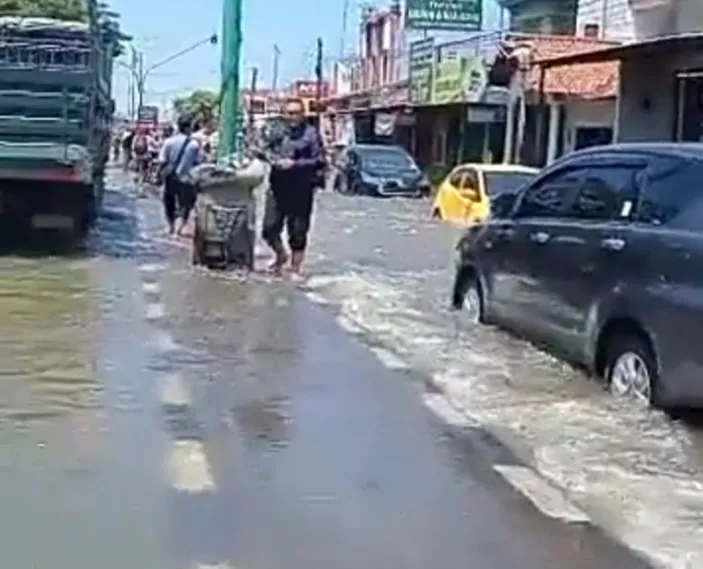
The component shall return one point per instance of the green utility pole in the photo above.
(230, 102)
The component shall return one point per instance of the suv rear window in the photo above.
(673, 195)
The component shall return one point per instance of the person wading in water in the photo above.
(289, 200)
(180, 153)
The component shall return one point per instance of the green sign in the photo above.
(459, 80)
(462, 15)
(422, 59)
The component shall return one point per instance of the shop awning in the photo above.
(652, 47)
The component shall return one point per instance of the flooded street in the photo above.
(385, 269)
(157, 416)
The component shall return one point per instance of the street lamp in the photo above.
(140, 74)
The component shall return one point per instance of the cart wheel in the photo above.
(197, 257)
(249, 260)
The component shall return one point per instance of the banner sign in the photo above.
(148, 114)
(305, 89)
(460, 15)
(460, 80)
(421, 61)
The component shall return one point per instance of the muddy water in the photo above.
(74, 487)
(49, 394)
(385, 268)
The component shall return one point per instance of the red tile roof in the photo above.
(582, 80)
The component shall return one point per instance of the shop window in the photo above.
(591, 31)
(586, 137)
(690, 109)
(257, 106)
(316, 107)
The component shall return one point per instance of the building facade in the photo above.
(381, 41)
(541, 16)
(637, 20)
(606, 19)
(669, 43)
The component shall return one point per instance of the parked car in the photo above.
(601, 258)
(380, 170)
(466, 193)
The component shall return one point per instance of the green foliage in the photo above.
(70, 10)
(201, 104)
(58, 9)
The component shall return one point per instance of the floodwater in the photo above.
(385, 269)
(154, 415)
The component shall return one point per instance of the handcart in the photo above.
(225, 215)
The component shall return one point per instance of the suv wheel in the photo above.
(468, 296)
(631, 370)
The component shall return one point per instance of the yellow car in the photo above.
(465, 195)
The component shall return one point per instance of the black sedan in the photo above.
(380, 170)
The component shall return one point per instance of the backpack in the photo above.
(140, 145)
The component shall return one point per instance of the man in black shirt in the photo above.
(289, 200)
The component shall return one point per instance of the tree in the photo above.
(70, 10)
(201, 104)
(73, 10)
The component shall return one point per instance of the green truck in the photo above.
(56, 111)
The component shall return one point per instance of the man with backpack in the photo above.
(140, 150)
(180, 153)
(127, 141)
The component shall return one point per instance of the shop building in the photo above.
(557, 110)
(660, 94)
(369, 83)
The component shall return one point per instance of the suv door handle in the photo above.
(613, 244)
(539, 237)
(506, 232)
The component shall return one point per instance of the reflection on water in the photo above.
(264, 422)
(47, 377)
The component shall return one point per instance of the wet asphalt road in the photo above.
(155, 416)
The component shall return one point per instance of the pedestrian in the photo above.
(116, 146)
(140, 154)
(289, 200)
(127, 140)
(180, 153)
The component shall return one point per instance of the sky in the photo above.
(161, 28)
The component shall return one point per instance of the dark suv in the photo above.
(601, 258)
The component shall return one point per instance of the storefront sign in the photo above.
(390, 96)
(459, 80)
(421, 59)
(148, 114)
(462, 15)
(361, 102)
(484, 114)
(406, 118)
(305, 89)
(494, 95)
